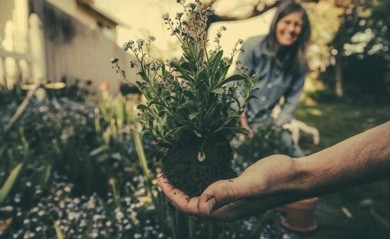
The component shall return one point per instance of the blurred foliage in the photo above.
(82, 174)
(354, 35)
(85, 216)
(364, 28)
(324, 19)
(266, 141)
(363, 35)
(70, 137)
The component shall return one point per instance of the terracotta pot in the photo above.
(300, 215)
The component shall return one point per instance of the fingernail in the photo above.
(210, 204)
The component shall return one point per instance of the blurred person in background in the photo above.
(279, 61)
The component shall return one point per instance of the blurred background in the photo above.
(72, 162)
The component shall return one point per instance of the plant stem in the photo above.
(18, 112)
(210, 230)
(191, 228)
(141, 154)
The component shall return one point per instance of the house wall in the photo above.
(75, 51)
(71, 8)
(6, 11)
(14, 51)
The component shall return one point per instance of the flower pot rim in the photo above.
(299, 229)
(305, 203)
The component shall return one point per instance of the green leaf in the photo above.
(4, 191)
(218, 91)
(47, 173)
(139, 84)
(185, 66)
(144, 76)
(183, 72)
(193, 115)
(215, 61)
(58, 231)
(155, 102)
(174, 131)
(162, 113)
(216, 58)
(199, 135)
(212, 109)
(242, 131)
(226, 121)
(234, 130)
(190, 95)
(163, 70)
(98, 150)
(141, 107)
(251, 97)
(230, 79)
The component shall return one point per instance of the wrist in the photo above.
(300, 177)
(292, 176)
(281, 174)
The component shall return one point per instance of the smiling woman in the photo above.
(289, 28)
(279, 60)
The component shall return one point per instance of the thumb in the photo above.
(217, 195)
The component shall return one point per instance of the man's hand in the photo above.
(231, 199)
(279, 179)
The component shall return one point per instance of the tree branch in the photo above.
(255, 12)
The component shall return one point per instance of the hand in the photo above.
(279, 179)
(234, 198)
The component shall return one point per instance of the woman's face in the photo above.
(288, 29)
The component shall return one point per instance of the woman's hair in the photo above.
(295, 59)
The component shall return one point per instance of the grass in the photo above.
(368, 205)
(339, 121)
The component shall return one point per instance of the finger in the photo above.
(217, 195)
(177, 197)
(236, 210)
(162, 181)
(185, 204)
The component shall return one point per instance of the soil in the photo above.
(183, 169)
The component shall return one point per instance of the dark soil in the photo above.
(183, 169)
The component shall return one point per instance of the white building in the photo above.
(48, 40)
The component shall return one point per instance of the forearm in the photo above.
(361, 159)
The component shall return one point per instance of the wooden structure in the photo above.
(41, 42)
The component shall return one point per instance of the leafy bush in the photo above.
(58, 139)
(192, 94)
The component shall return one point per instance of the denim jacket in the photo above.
(273, 84)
